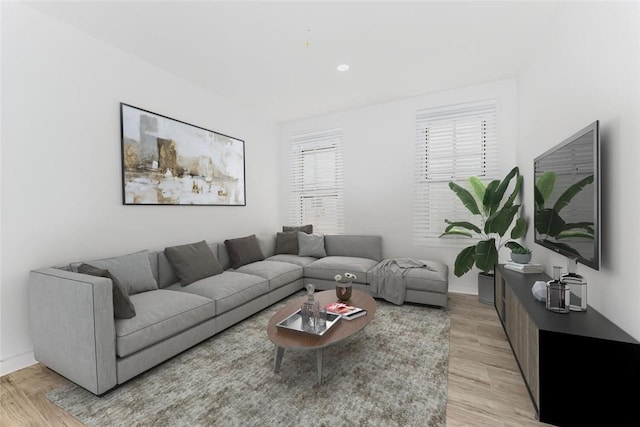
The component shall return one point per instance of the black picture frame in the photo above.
(170, 162)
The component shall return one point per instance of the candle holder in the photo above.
(558, 294)
(577, 287)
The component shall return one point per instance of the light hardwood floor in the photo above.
(485, 387)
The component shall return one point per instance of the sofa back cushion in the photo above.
(308, 228)
(166, 274)
(355, 246)
(267, 244)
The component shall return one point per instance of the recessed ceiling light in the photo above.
(342, 67)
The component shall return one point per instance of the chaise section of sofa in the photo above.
(361, 256)
(345, 253)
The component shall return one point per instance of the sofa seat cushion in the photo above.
(160, 314)
(277, 273)
(422, 279)
(326, 268)
(292, 259)
(229, 290)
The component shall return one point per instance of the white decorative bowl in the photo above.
(539, 290)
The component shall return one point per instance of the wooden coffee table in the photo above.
(290, 339)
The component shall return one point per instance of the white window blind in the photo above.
(453, 143)
(317, 195)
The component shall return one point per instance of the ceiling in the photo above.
(280, 58)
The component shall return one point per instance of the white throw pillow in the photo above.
(311, 245)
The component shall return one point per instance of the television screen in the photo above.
(567, 197)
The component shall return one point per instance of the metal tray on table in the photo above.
(294, 323)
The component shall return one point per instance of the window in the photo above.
(453, 143)
(316, 181)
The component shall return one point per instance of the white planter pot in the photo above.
(485, 288)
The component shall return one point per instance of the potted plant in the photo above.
(496, 217)
(520, 254)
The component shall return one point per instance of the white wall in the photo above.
(379, 149)
(591, 71)
(61, 167)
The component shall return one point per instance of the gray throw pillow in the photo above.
(122, 306)
(287, 243)
(311, 245)
(193, 262)
(243, 250)
(133, 271)
(304, 228)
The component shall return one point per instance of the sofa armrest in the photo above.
(72, 326)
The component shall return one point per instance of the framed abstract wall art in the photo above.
(170, 162)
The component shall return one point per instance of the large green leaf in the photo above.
(515, 192)
(465, 260)
(563, 246)
(538, 197)
(456, 233)
(549, 223)
(478, 187)
(463, 224)
(570, 192)
(465, 196)
(514, 245)
(545, 185)
(575, 233)
(486, 255)
(500, 221)
(520, 229)
(502, 188)
(489, 195)
(586, 226)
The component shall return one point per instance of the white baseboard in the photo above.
(16, 363)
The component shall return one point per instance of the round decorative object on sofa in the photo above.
(343, 291)
(520, 258)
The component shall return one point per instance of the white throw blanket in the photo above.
(388, 278)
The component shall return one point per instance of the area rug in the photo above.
(393, 373)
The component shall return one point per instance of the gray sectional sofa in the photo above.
(76, 334)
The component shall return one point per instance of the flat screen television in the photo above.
(567, 197)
